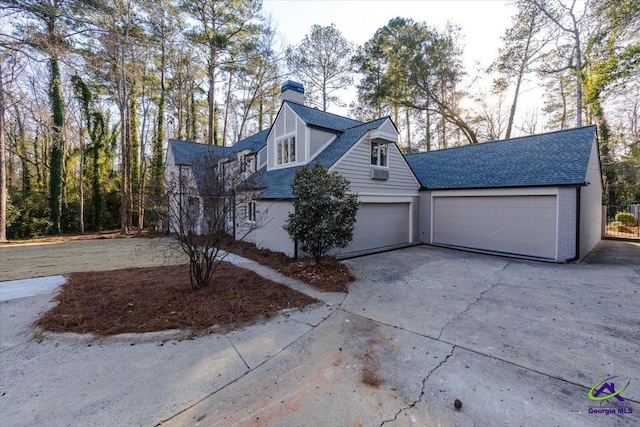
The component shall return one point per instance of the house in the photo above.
(534, 197)
(191, 195)
(366, 154)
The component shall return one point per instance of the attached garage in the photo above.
(379, 226)
(520, 225)
(535, 197)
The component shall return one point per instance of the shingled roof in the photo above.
(254, 143)
(277, 183)
(322, 119)
(186, 153)
(555, 158)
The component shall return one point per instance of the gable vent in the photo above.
(381, 174)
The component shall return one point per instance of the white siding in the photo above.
(425, 217)
(591, 204)
(387, 127)
(287, 123)
(318, 139)
(262, 158)
(270, 233)
(356, 167)
(415, 220)
(566, 223)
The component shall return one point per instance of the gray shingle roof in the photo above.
(187, 153)
(277, 182)
(254, 143)
(318, 118)
(555, 158)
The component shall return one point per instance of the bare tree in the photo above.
(566, 19)
(521, 50)
(205, 202)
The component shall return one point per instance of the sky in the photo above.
(482, 22)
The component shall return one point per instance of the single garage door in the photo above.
(519, 225)
(379, 225)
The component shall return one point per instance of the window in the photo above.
(379, 154)
(250, 164)
(230, 217)
(286, 151)
(251, 211)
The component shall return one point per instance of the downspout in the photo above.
(577, 252)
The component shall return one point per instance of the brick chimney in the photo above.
(292, 91)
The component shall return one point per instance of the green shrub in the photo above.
(324, 212)
(28, 216)
(626, 218)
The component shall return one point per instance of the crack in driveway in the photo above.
(424, 384)
(471, 304)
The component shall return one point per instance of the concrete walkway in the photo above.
(519, 343)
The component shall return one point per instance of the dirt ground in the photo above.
(20, 260)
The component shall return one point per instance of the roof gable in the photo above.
(277, 182)
(555, 158)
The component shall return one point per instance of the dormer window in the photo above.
(286, 150)
(379, 154)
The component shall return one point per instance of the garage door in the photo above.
(520, 225)
(379, 225)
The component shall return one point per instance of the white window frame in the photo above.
(377, 147)
(251, 212)
(288, 156)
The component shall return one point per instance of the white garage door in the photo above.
(379, 225)
(520, 225)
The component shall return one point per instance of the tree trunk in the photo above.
(56, 166)
(211, 139)
(512, 111)
(3, 167)
(261, 113)
(563, 120)
(134, 154)
(227, 107)
(124, 229)
(579, 70)
(141, 202)
(427, 131)
(192, 135)
(157, 158)
(408, 119)
(81, 182)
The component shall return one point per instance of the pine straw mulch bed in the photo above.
(161, 298)
(329, 276)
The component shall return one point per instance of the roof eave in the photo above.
(498, 187)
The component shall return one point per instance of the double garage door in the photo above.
(516, 225)
(380, 225)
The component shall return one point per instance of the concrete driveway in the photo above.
(517, 342)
